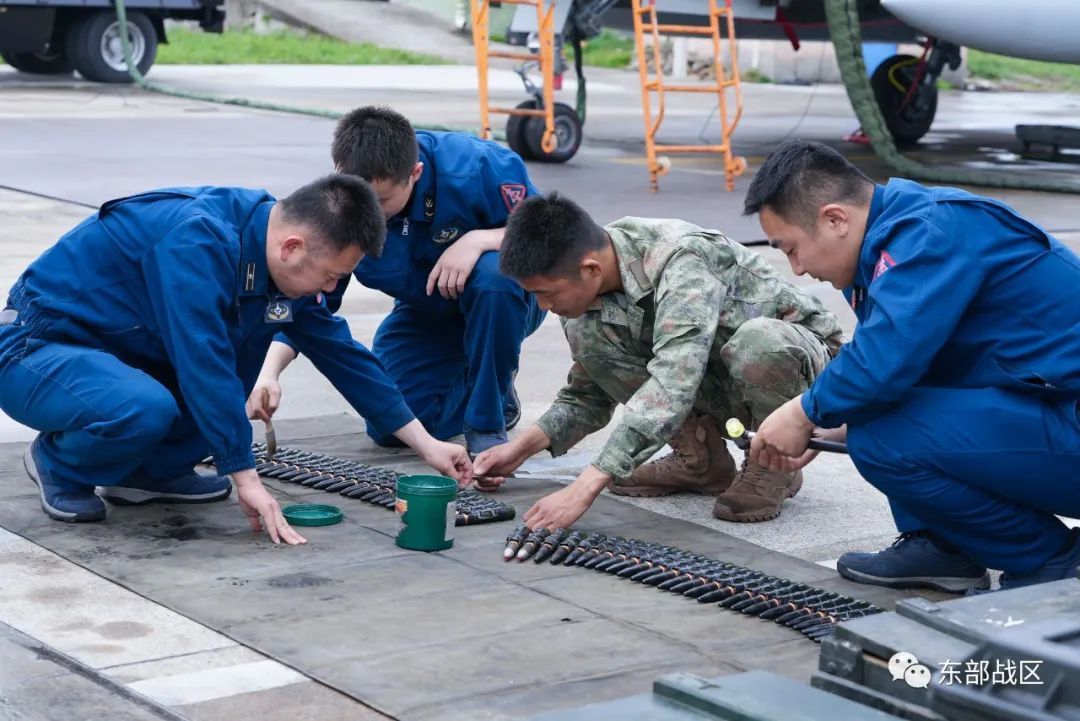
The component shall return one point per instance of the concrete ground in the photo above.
(67, 145)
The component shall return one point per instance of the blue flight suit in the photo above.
(453, 359)
(961, 386)
(140, 334)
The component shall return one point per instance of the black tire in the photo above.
(567, 131)
(907, 123)
(94, 48)
(48, 61)
(515, 130)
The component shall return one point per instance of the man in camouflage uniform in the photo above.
(683, 327)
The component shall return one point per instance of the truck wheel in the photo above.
(48, 61)
(567, 135)
(96, 49)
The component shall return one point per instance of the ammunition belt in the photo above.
(367, 483)
(814, 612)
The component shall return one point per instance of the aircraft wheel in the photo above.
(568, 135)
(907, 121)
(515, 130)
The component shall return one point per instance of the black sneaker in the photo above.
(914, 561)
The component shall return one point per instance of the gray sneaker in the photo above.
(914, 561)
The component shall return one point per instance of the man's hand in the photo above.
(454, 266)
(493, 465)
(780, 444)
(564, 507)
(450, 460)
(264, 399)
(262, 509)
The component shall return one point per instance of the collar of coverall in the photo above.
(636, 283)
(422, 203)
(621, 308)
(870, 250)
(254, 276)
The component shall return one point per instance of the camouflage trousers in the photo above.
(766, 363)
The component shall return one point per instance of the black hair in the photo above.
(801, 176)
(376, 143)
(342, 211)
(548, 235)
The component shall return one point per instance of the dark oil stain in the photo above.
(94, 552)
(299, 580)
(187, 533)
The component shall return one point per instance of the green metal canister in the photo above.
(426, 511)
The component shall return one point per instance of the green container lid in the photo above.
(427, 486)
(311, 514)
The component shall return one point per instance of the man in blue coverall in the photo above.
(960, 391)
(132, 343)
(453, 338)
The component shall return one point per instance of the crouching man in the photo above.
(686, 329)
(132, 343)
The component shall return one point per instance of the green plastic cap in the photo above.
(734, 428)
(311, 514)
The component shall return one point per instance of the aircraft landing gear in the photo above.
(905, 87)
(525, 135)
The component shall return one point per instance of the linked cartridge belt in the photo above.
(367, 483)
(814, 612)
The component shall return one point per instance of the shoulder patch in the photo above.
(512, 194)
(446, 235)
(885, 261)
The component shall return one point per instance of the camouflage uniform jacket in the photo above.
(686, 290)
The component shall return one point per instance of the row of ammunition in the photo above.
(812, 611)
(368, 483)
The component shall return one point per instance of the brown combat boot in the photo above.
(699, 462)
(756, 494)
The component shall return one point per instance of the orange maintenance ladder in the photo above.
(545, 11)
(720, 19)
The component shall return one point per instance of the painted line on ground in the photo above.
(210, 684)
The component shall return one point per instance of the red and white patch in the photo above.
(885, 261)
(512, 194)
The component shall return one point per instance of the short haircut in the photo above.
(376, 143)
(548, 235)
(801, 176)
(342, 210)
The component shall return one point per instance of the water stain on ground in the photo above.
(179, 528)
(100, 648)
(117, 630)
(38, 564)
(55, 594)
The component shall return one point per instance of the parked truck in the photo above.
(55, 37)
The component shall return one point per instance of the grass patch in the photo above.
(187, 47)
(1023, 74)
(753, 75)
(609, 49)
